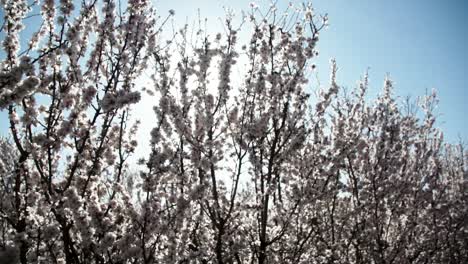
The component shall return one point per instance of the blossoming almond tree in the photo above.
(242, 169)
(67, 95)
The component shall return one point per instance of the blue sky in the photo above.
(420, 43)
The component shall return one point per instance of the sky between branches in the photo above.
(420, 43)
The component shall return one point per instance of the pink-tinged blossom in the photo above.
(119, 99)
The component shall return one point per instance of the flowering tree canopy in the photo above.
(243, 168)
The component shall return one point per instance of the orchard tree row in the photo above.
(247, 163)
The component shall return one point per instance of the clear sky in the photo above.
(422, 44)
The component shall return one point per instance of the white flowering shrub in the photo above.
(245, 165)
